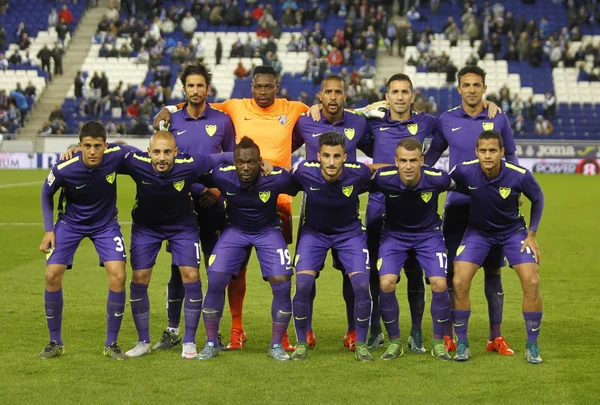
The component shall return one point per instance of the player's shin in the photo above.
(348, 293)
(301, 306)
(440, 313)
(311, 304)
(390, 312)
(415, 288)
(533, 323)
(494, 294)
(140, 309)
(362, 305)
(214, 303)
(281, 309)
(175, 296)
(115, 307)
(236, 291)
(192, 310)
(53, 303)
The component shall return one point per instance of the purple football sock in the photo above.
(348, 293)
(192, 310)
(304, 283)
(495, 299)
(311, 303)
(375, 315)
(115, 307)
(362, 305)
(533, 323)
(415, 289)
(390, 312)
(461, 323)
(440, 313)
(450, 324)
(53, 302)
(140, 309)
(175, 296)
(281, 310)
(214, 303)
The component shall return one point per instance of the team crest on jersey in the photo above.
(349, 132)
(460, 249)
(504, 192)
(111, 178)
(51, 178)
(264, 196)
(179, 185)
(426, 196)
(488, 126)
(282, 119)
(210, 129)
(211, 259)
(413, 128)
(347, 190)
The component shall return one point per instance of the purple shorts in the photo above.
(476, 245)
(428, 249)
(107, 240)
(146, 242)
(456, 220)
(351, 248)
(234, 245)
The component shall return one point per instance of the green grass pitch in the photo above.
(569, 237)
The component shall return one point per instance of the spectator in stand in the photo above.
(258, 12)
(79, 84)
(19, 31)
(218, 51)
(216, 15)
(511, 54)
(24, 42)
(61, 30)
(542, 126)
(44, 55)
(167, 26)
(288, 20)
(66, 15)
(140, 128)
(30, 90)
(145, 109)
(57, 114)
(519, 125)
(21, 102)
(2, 38)
(240, 71)
(13, 116)
(335, 57)
(133, 110)
(111, 127)
(188, 25)
(112, 14)
(57, 55)
(517, 106)
(452, 33)
(413, 15)
(263, 31)
(3, 62)
(549, 106)
(52, 18)
(143, 57)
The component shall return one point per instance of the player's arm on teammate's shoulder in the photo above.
(164, 116)
(376, 166)
(493, 108)
(366, 142)
(456, 176)
(289, 183)
(437, 146)
(49, 188)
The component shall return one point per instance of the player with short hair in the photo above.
(458, 129)
(356, 132)
(269, 121)
(400, 122)
(252, 221)
(164, 211)
(412, 226)
(87, 208)
(494, 187)
(332, 184)
(198, 128)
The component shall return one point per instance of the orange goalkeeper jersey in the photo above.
(271, 128)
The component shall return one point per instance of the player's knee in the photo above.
(387, 285)
(54, 276)
(281, 278)
(531, 283)
(116, 280)
(460, 284)
(189, 274)
(438, 284)
(140, 277)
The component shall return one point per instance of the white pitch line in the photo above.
(31, 183)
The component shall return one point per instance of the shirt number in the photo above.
(284, 256)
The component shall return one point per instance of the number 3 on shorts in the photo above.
(120, 243)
